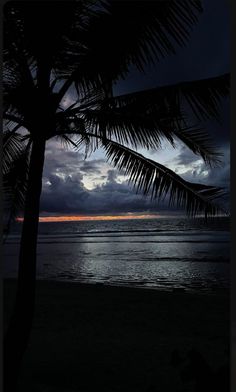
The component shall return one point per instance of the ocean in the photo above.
(164, 253)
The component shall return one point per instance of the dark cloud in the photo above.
(186, 157)
(93, 167)
(59, 159)
(195, 169)
(65, 192)
(111, 176)
(69, 195)
(63, 162)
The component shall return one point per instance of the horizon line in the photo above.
(74, 218)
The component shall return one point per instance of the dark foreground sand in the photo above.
(90, 338)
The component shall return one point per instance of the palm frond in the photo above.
(126, 127)
(16, 155)
(116, 35)
(15, 120)
(17, 64)
(203, 96)
(68, 142)
(67, 124)
(155, 179)
(144, 127)
(200, 143)
(13, 147)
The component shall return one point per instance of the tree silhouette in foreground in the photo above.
(54, 48)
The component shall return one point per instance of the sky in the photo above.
(75, 186)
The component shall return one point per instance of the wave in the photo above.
(49, 241)
(124, 233)
(187, 231)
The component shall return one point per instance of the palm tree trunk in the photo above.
(18, 332)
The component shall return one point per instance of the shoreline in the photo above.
(87, 337)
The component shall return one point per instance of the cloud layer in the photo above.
(72, 185)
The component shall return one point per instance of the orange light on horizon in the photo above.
(91, 218)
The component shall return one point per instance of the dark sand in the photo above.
(91, 337)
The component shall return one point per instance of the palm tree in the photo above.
(52, 48)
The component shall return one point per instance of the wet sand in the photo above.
(94, 337)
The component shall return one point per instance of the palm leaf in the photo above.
(203, 96)
(78, 48)
(200, 143)
(16, 155)
(13, 147)
(143, 118)
(126, 127)
(118, 34)
(155, 179)
(142, 127)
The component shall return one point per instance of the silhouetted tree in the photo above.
(85, 46)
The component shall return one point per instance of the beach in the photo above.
(89, 337)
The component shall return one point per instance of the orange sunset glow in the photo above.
(91, 218)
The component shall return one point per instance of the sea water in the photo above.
(163, 253)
